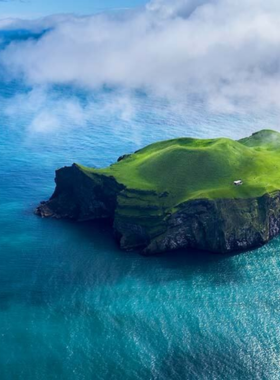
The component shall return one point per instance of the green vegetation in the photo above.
(194, 169)
(180, 194)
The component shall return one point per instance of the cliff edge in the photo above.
(218, 195)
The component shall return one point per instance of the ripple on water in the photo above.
(72, 306)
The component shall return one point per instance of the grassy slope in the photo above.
(193, 169)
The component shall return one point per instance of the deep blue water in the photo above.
(72, 305)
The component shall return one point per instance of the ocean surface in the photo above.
(75, 307)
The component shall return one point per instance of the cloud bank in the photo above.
(222, 53)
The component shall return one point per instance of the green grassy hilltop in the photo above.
(180, 194)
(202, 169)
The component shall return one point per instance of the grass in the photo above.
(194, 169)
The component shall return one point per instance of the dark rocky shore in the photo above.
(221, 226)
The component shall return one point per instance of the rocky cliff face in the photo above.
(222, 225)
(80, 197)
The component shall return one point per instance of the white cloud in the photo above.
(224, 53)
(49, 111)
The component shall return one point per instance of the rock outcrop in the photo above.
(143, 220)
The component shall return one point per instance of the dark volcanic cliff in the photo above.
(143, 219)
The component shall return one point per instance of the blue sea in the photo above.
(73, 306)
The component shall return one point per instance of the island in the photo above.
(218, 195)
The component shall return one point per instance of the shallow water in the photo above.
(72, 305)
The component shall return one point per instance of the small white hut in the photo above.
(239, 182)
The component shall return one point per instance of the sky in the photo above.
(38, 8)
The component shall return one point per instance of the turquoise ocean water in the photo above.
(72, 305)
